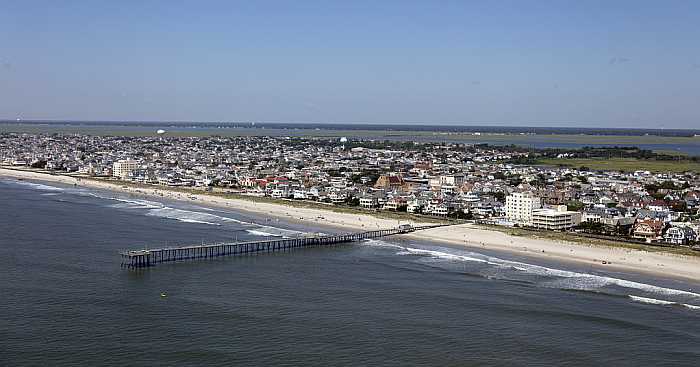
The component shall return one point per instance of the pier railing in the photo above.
(150, 257)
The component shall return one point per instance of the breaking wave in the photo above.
(36, 186)
(552, 278)
(262, 233)
(189, 216)
(654, 301)
(134, 204)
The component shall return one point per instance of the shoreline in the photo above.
(463, 235)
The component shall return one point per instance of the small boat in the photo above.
(163, 295)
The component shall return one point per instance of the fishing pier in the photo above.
(150, 257)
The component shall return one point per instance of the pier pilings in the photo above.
(134, 259)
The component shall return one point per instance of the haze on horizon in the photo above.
(544, 63)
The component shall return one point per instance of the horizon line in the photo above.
(414, 123)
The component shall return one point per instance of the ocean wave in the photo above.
(189, 216)
(380, 243)
(262, 233)
(443, 255)
(277, 230)
(555, 278)
(185, 220)
(654, 301)
(201, 215)
(37, 186)
(135, 204)
(651, 301)
(123, 203)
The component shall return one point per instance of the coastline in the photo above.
(465, 235)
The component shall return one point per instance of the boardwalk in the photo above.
(147, 258)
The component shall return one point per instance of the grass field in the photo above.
(625, 164)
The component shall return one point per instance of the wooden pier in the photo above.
(146, 258)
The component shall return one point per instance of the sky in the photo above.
(536, 63)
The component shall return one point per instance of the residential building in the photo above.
(123, 167)
(557, 218)
(679, 235)
(648, 229)
(519, 207)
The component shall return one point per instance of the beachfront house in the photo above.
(415, 205)
(369, 201)
(679, 235)
(648, 229)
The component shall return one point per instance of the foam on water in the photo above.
(654, 301)
(36, 186)
(198, 222)
(554, 278)
(189, 216)
(262, 233)
(380, 243)
(135, 204)
(201, 215)
(278, 231)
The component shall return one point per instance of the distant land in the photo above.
(677, 141)
(374, 127)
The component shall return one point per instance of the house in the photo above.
(390, 181)
(338, 197)
(415, 205)
(612, 219)
(394, 203)
(648, 229)
(369, 201)
(300, 194)
(441, 210)
(679, 235)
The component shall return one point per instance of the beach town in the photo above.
(354, 184)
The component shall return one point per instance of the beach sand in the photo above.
(655, 263)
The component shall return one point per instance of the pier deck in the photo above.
(150, 257)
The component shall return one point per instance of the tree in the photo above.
(39, 164)
(499, 196)
(592, 227)
(574, 205)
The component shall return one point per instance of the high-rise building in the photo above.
(519, 207)
(123, 167)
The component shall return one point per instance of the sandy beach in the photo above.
(657, 263)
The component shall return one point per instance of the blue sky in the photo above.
(544, 63)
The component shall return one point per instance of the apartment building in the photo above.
(519, 207)
(122, 168)
(557, 218)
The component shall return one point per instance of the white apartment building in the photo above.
(369, 202)
(519, 207)
(123, 167)
(415, 206)
(557, 218)
(446, 181)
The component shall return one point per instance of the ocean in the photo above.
(65, 301)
